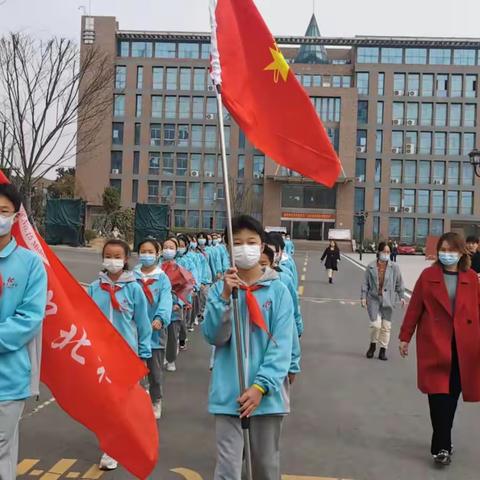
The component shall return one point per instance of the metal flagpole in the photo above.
(236, 311)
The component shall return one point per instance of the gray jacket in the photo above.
(393, 290)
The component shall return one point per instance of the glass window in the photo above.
(209, 190)
(211, 105)
(422, 231)
(317, 80)
(441, 115)
(379, 141)
(439, 173)
(188, 50)
(182, 164)
(360, 169)
(409, 198)
(336, 81)
(198, 108)
(411, 140)
(378, 170)
(376, 228)
(172, 73)
(362, 83)
(116, 163)
(180, 218)
(170, 107)
(437, 201)
(167, 167)
(220, 165)
(467, 173)
(423, 201)
(467, 203)
(440, 56)
(194, 194)
(412, 113)
(346, 81)
(440, 143)
(117, 133)
(362, 139)
(137, 134)
(167, 192)
(184, 107)
(395, 197)
(399, 83)
(199, 79)
(427, 114)
(413, 84)
(207, 219)
(138, 106)
(469, 115)
(394, 228)
(464, 57)
(359, 199)
(134, 191)
(362, 112)
(392, 55)
(153, 186)
(258, 166)
(454, 144)
(471, 86)
(168, 134)
(193, 219)
(241, 166)
(408, 230)
(209, 165)
(416, 56)
(410, 171)
(210, 136)
(118, 105)
(453, 173)
(181, 193)
(124, 49)
(165, 50)
(427, 85)
(185, 79)
(455, 117)
(396, 171)
(139, 77)
(380, 110)
(398, 112)
(142, 49)
(197, 136)
(376, 199)
(195, 160)
(381, 84)
(157, 106)
(424, 172)
(426, 142)
(468, 143)
(154, 163)
(456, 86)
(183, 135)
(241, 140)
(136, 163)
(157, 78)
(397, 140)
(452, 202)
(442, 85)
(205, 51)
(367, 55)
(120, 76)
(436, 227)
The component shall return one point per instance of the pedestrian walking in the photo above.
(23, 298)
(393, 251)
(382, 288)
(158, 291)
(472, 246)
(444, 312)
(331, 255)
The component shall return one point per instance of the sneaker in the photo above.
(191, 329)
(443, 458)
(107, 463)
(157, 409)
(171, 367)
(196, 322)
(183, 347)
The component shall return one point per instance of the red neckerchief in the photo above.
(254, 310)
(112, 290)
(146, 290)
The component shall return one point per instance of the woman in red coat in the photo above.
(444, 309)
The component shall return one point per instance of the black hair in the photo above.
(119, 243)
(472, 239)
(246, 222)
(172, 239)
(11, 192)
(269, 253)
(276, 239)
(151, 240)
(183, 238)
(201, 235)
(381, 246)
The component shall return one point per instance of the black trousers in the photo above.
(444, 406)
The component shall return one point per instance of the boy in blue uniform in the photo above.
(23, 297)
(266, 313)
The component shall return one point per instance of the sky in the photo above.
(459, 18)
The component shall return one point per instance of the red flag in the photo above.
(91, 370)
(263, 95)
(181, 279)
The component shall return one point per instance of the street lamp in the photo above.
(475, 160)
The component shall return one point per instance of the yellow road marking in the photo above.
(93, 473)
(304, 269)
(58, 469)
(302, 278)
(25, 465)
(300, 290)
(188, 474)
(35, 473)
(73, 475)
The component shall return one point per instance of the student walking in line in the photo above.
(444, 312)
(381, 289)
(331, 255)
(472, 246)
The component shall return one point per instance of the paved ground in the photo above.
(352, 418)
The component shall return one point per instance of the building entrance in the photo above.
(304, 230)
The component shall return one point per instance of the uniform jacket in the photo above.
(287, 263)
(289, 247)
(430, 315)
(203, 267)
(331, 258)
(287, 279)
(22, 309)
(267, 361)
(133, 321)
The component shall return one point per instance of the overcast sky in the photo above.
(336, 18)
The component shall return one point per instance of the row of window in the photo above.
(328, 108)
(309, 196)
(148, 49)
(326, 81)
(409, 230)
(418, 56)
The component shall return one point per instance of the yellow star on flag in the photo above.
(279, 66)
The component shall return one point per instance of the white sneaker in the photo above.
(107, 463)
(157, 409)
(196, 322)
(191, 329)
(171, 367)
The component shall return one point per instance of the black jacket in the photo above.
(476, 262)
(332, 258)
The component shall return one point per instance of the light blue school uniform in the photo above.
(22, 310)
(224, 257)
(132, 321)
(289, 247)
(190, 262)
(287, 279)
(215, 261)
(268, 361)
(205, 273)
(161, 308)
(288, 263)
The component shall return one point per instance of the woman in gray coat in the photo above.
(382, 288)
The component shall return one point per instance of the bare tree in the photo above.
(6, 147)
(242, 197)
(47, 92)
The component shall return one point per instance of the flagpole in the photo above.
(236, 311)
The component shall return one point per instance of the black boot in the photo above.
(383, 354)
(330, 280)
(371, 350)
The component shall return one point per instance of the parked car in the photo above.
(405, 249)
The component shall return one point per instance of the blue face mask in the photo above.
(147, 259)
(193, 245)
(215, 242)
(181, 251)
(202, 241)
(169, 253)
(448, 259)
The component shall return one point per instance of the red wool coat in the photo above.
(429, 312)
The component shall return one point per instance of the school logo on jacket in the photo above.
(267, 305)
(11, 283)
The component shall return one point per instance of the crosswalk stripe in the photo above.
(58, 469)
(25, 465)
(73, 475)
(35, 473)
(93, 473)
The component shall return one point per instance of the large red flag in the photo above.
(263, 95)
(91, 370)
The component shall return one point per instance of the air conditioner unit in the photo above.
(211, 88)
(396, 150)
(210, 116)
(115, 171)
(394, 209)
(411, 122)
(408, 209)
(394, 180)
(410, 148)
(397, 121)
(438, 182)
(413, 93)
(209, 174)
(360, 179)
(361, 149)
(194, 173)
(398, 93)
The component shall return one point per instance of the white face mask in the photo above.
(6, 224)
(384, 257)
(246, 256)
(113, 265)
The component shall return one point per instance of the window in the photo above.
(424, 172)
(392, 55)
(409, 198)
(469, 115)
(182, 164)
(396, 171)
(220, 165)
(378, 170)
(137, 134)
(188, 50)
(117, 184)
(183, 135)
(209, 190)
(181, 193)
(436, 227)
(362, 139)
(379, 141)
(152, 186)
(134, 191)
(466, 207)
(395, 197)
(165, 50)
(193, 219)
(241, 140)
(136, 162)
(437, 201)
(170, 107)
(118, 105)
(116, 163)
(258, 166)
(154, 163)
(455, 117)
(197, 136)
(167, 166)
(464, 57)
(241, 166)
(452, 202)
(426, 142)
(303, 196)
(210, 136)
(427, 114)
(367, 54)
(138, 106)
(362, 83)
(376, 199)
(423, 201)
(139, 77)
(184, 107)
(394, 228)
(427, 85)
(346, 81)
(381, 84)
(380, 110)
(180, 218)
(362, 111)
(440, 143)
(194, 194)
(471, 86)
(439, 173)
(442, 85)
(157, 106)
(456, 87)
(211, 105)
(468, 143)
(205, 53)
(209, 165)
(142, 49)
(185, 79)
(198, 108)
(422, 231)
(467, 173)
(329, 108)
(441, 115)
(416, 56)
(120, 77)
(360, 169)
(167, 192)
(207, 219)
(195, 160)
(171, 83)
(453, 173)
(399, 83)
(124, 49)
(411, 140)
(397, 140)
(336, 81)
(412, 113)
(376, 228)
(117, 133)
(410, 171)
(199, 79)
(454, 144)
(359, 199)
(440, 56)
(414, 83)
(168, 134)
(408, 230)
(157, 78)
(398, 109)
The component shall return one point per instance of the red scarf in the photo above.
(254, 310)
(112, 290)
(146, 290)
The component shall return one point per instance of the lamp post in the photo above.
(475, 161)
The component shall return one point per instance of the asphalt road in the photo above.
(352, 418)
